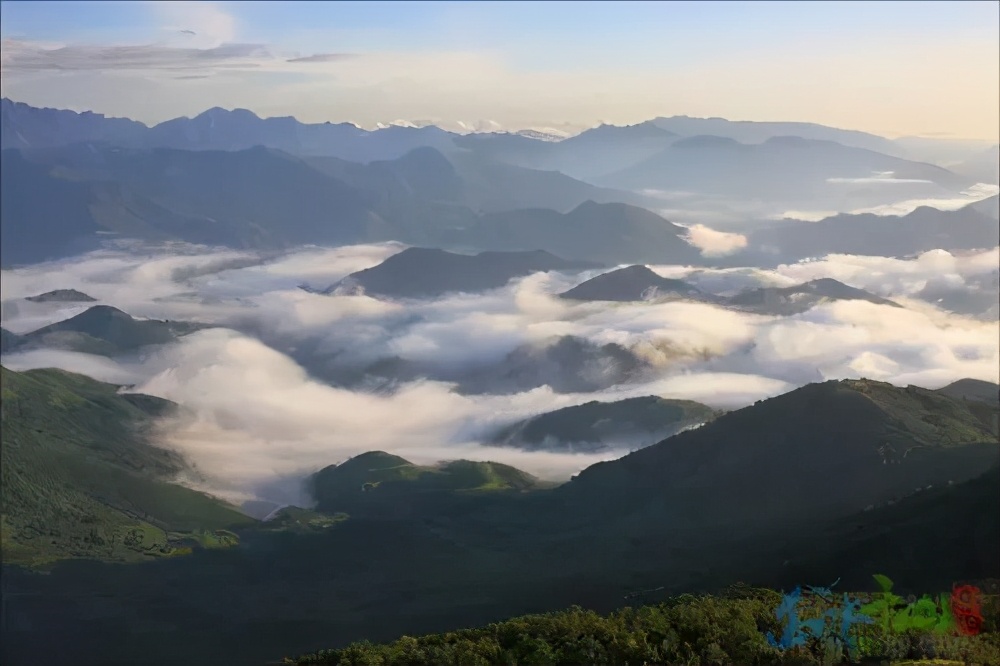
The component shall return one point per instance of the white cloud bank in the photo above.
(255, 415)
(713, 243)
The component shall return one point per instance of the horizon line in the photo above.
(536, 127)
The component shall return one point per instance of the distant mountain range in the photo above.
(465, 179)
(984, 166)
(27, 127)
(786, 169)
(639, 283)
(230, 178)
(62, 201)
(925, 229)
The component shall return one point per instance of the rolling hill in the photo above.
(379, 482)
(103, 330)
(973, 390)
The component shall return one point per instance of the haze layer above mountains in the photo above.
(230, 178)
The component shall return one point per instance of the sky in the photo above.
(890, 68)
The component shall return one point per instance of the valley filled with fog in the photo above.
(494, 333)
(285, 381)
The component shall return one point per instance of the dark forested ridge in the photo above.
(435, 549)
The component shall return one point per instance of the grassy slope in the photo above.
(834, 447)
(381, 480)
(81, 480)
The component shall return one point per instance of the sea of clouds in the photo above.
(257, 419)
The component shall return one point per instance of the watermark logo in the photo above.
(830, 618)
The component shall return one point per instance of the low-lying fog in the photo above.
(263, 410)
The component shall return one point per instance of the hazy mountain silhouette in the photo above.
(44, 217)
(634, 283)
(989, 207)
(782, 169)
(423, 272)
(466, 180)
(27, 127)
(882, 235)
(58, 202)
(594, 426)
(61, 296)
(590, 154)
(103, 330)
(607, 233)
(746, 131)
(567, 364)
(8, 340)
(983, 166)
(802, 297)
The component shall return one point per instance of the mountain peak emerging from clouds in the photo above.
(420, 271)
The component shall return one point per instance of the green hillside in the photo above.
(379, 479)
(774, 494)
(80, 478)
(728, 628)
(819, 451)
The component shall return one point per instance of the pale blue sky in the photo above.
(887, 67)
